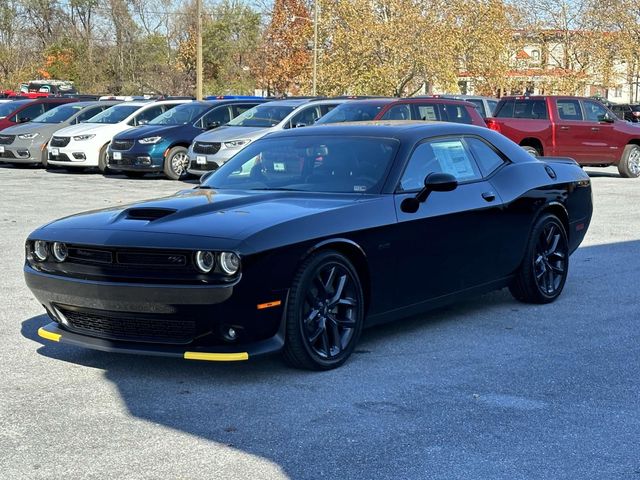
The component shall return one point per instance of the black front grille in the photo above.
(151, 259)
(202, 167)
(121, 144)
(7, 154)
(121, 161)
(89, 255)
(59, 141)
(206, 148)
(7, 139)
(62, 157)
(133, 327)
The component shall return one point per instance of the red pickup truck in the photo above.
(580, 128)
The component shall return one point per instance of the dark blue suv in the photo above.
(162, 144)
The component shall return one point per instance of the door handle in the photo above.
(489, 196)
(564, 128)
(595, 129)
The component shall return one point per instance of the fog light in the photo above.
(79, 156)
(229, 262)
(232, 334)
(205, 261)
(41, 250)
(143, 160)
(60, 251)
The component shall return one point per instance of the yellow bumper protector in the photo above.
(217, 357)
(49, 335)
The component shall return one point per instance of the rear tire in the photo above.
(629, 166)
(176, 163)
(103, 166)
(531, 150)
(325, 313)
(44, 157)
(543, 272)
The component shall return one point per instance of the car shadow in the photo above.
(412, 394)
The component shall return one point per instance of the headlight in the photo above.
(41, 250)
(149, 140)
(236, 143)
(60, 251)
(229, 262)
(28, 136)
(79, 138)
(205, 261)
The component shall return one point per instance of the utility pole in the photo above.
(199, 50)
(315, 48)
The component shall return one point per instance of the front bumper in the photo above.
(211, 162)
(21, 151)
(139, 158)
(185, 321)
(75, 154)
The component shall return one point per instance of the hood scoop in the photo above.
(149, 214)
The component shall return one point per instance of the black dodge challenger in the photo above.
(305, 237)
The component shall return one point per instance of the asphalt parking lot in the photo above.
(486, 389)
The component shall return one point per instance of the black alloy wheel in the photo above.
(544, 270)
(325, 313)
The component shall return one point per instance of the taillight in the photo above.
(492, 124)
(635, 114)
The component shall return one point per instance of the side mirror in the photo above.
(206, 176)
(212, 125)
(143, 122)
(607, 118)
(434, 182)
(23, 120)
(300, 125)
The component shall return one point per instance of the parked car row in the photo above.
(180, 137)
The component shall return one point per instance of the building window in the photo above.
(535, 55)
(618, 91)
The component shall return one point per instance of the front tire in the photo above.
(325, 313)
(629, 166)
(543, 272)
(176, 163)
(103, 166)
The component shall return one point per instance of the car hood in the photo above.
(88, 128)
(149, 131)
(225, 133)
(228, 214)
(33, 128)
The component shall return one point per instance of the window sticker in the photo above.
(453, 159)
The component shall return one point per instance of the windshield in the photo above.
(352, 112)
(8, 108)
(58, 114)
(262, 116)
(181, 115)
(340, 164)
(114, 114)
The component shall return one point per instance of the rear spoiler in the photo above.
(567, 160)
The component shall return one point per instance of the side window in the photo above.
(398, 112)
(488, 159)
(87, 114)
(307, 116)
(324, 109)
(216, 117)
(29, 113)
(532, 109)
(505, 109)
(455, 113)
(240, 109)
(569, 110)
(443, 156)
(480, 105)
(149, 114)
(593, 111)
(492, 106)
(427, 112)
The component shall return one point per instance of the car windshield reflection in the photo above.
(311, 164)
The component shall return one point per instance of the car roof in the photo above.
(291, 102)
(400, 129)
(418, 100)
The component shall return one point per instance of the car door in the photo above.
(216, 117)
(600, 147)
(572, 134)
(28, 113)
(304, 117)
(449, 244)
(148, 114)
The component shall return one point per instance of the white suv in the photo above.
(85, 145)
